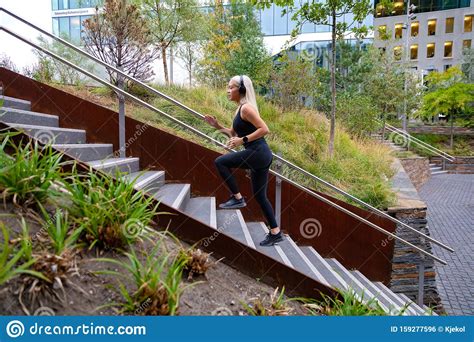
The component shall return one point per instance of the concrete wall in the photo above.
(444, 130)
(418, 169)
(411, 210)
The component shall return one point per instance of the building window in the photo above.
(398, 8)
(447, 66)
(468, 23)
(280, 22)
(398, 31)
(430, 50)
(431, 27)
(382, 30)
(64, 27)
(397, 53)
(466, 44)
(266, 21)
(448, 49)
(415, 28)
(449, 25)
(414, 51)
(56, 26)
(75, 24)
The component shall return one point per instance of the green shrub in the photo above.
(109, 211)
(28, 174)
(156, 277)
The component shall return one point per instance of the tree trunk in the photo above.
(190, 75)
(333, 87)
(165, 65)
(451, 142)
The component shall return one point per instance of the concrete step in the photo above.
(111, 165)
(52, 135)
(26, 117)
(203, 209)
(412, 305)
(300, 261)
(12, 102)
(326, 270)
(175, 195)
(86, 152)
(396, 297)
(258, 231)
(393, 306)
(439, 172)
(363, 294)
(150, 181)
(232, 223)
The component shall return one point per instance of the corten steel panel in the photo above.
(236, 254)
(353, 243)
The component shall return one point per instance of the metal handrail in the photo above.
(422, 144)
(196, 131)
(277, 157)
(437, 151)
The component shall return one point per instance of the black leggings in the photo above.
(257, 157)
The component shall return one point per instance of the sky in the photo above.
(37, 12)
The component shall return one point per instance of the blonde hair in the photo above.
(249, 96)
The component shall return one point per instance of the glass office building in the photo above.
(69, 15)
(422, 6)
(273, 23)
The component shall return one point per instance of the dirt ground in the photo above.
(220, 291)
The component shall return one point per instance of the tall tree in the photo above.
(448, 94)
(385, 82)
(235, 46)
(169, 22)
(118, 36)
(251, 57)
(189, 48)
(328, 13)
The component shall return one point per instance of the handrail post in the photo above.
(121, 105)
(278, 182)
(443, 165)
(421, 281)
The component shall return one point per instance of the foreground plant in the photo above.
(156, 277)
(28, 174)
(109, 211)
(196, 261)
(277, 306)
(349, 304)
(54, 258)
(10, 258)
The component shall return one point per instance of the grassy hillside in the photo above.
(360, 167)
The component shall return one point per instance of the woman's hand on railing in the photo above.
(211, 120)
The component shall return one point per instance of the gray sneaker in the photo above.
(233, 203)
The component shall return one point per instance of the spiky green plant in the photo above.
(109, 210)
(156, 277)
(27, 176)
(9, 258)
(349, 304)
(277, 306)
(62, 233)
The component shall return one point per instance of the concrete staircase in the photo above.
(436, 166)
(393, 145)
(305, 259)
